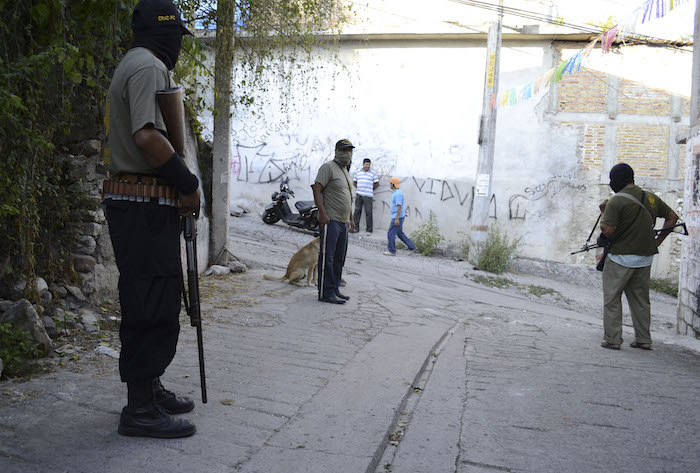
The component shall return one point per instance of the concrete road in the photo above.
(423, 371)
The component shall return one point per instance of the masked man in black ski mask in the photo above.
(145, 229)
(627, 228)
(333, 197)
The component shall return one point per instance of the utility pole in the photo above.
(223, 77)
(695, 83)
(487, 135)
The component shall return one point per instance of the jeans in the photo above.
(334, 242)
(360, 201)
(397, 231)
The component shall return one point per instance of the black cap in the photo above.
(156, 13)
(344, 144)
(366, 160)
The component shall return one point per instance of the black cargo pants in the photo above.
(146, 242)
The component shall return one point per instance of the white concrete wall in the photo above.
(413, 107)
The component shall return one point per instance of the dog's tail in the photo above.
(272, 278)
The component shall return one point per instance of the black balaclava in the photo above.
(621, 175)
(164, 40)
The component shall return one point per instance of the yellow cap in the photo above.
(396, 181)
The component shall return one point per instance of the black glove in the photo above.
(603, 241)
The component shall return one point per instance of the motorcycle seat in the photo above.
(304, 205)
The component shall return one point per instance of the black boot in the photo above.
(168, 401)
(152, 421)
(142, 417)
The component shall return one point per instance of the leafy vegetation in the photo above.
(490, 281)
(604, 25)
(274, 44)
(427, 237)
(464, 244)
(17, 349)
(499, 249)
(501, 282)
(540, 291)
(55, 60)
(667, 287)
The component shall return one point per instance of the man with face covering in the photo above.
(628, 230)
(333, 196)
(145, 230)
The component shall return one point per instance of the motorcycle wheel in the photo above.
(270, 217)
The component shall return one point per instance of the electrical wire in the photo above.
(519, 12)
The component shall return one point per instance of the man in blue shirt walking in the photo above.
(366, 181)
(398, 213)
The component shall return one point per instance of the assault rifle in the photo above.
(679, 228)
(193, 308)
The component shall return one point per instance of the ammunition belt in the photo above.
(139, 188)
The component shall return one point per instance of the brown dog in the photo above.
(303, 263)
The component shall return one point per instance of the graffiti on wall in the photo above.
(256, 164)
(288, 155)
(696, 182)
(263, 163)
(535, 201)
(431, 197)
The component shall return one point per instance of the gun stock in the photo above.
(173, 110)
(193, 308)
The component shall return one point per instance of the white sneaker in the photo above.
(368, 234)
(389, 253)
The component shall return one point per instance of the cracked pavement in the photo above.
(423, 371)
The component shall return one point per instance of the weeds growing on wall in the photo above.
(55, 60)
(427, 237)
(496, 254)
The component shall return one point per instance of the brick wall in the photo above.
(644, 147)
(584, 91)
(592, 146)
(635, 98)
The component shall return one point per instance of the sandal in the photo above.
(611, 346)
(643, 346)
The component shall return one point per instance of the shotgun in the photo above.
(173, 111)
(193, 307)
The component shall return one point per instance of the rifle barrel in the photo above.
(193, 289)
(202, 375)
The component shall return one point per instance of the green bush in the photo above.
(427, 236)
(495, 255)
(660, 285)
(16, 349)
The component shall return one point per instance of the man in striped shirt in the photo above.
(366, 181)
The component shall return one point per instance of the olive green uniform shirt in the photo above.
(620, 212)
(132, 105)
(337, 197)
